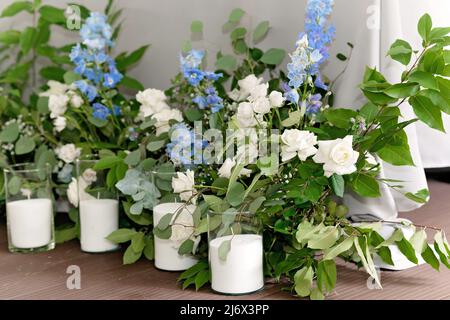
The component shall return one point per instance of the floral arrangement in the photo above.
(226, 140)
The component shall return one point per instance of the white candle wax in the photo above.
(166, 250)
(98, 218)
(30, 222)
(242, 271)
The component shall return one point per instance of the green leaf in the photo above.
(10, 133)
(427, 112)
(235, 194)
(369, 111)
(335, 251)
(401, 51)
(260, 31)
(107, 162)
(419, 241)
(273, 56)
(53, 73)
(133, 158)
(340, 118)
(424, 27)
(10, 37)
(201, 279)
(163, 234)
(402, 90)
(293, 119)
(256, 204)
(215, 203)
(407, 249)
(52, 14)
(437, 33)
(324, 239)
(130, 256)
(398, 155)
(131, 83)
(149, 250)
(193, 114)
(303, 279)
(155, 145)
(66, 234)
(24, 145)
(197, 26)
(226, 62)
(421, 196)
(26, 39)
(223, 250)
(186, 247)
(165, 221)
(366, 186)
(70, 77)
(425, 79)
(236, 15)
(338, 185)
(14, 185)
(17, 7)
(238, 33)
(132, 58)
(192, 271)
(437, 99)
(430, 258)
(341, 57)
(121, 235)
(326, 275)
(138, 242)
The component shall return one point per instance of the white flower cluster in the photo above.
(24, 129)
(154, 105)
(76, 189)
(183, 184)
(60, 96)
(68, 152)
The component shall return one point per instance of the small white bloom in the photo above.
(337, 156)
(183, 184)
(55, 88)
(297, 143)
(76, 101)
(59, 123)
(246, 85)
(226, 168)
(261, 105)
(26, 192)
(89, 176)
(68, 153)
(245, 115)
(302, 42)
(57, 104)
(152, 101)
(276, 99)
(163, 117)
(259, 91)
(72, 192)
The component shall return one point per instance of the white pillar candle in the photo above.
(242, 271)
(30, 222)
(166, 250)
(98, 218)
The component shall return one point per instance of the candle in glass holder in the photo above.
(98, 219)
(242, 270)
(30, 223)
(166, 250)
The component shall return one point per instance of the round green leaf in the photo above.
(273, 56)
(260, 31)
(24, 145)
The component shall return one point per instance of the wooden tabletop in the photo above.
(43, 275)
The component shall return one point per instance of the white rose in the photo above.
(68, 153)
(261, 105)
(245, 116)
(151, 97)
(226, 168)
(60, 123)
(163, 118)
(259, 91)
(57, 104)
(247, 84)
(297, 143)
(235, 95)
(76, 101)
(55, 88)
(337, 156)
(73, 193)
(276, 99)
(89, 176)
(149, 110)
(182, 227)
(183, 184)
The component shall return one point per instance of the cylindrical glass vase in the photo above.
(235, 252)
(98, 208)
(29, 208)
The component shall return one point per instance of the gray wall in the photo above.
(165, 24)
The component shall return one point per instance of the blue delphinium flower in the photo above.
(193, 76)
(184, 148)
(96, 32)
(292, 96)
(192, 60)
(313, 104)
(200, 101)
(88, 90)
(100, 112)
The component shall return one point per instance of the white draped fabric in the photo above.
(372, 31)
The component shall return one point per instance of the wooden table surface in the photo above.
(43, 275)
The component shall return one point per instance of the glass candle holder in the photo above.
(98, 208)
(173, 224)
(29, 208)
(235, 252)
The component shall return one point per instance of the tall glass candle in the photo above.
(98, 208)
(29, 208)
(235, 252)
